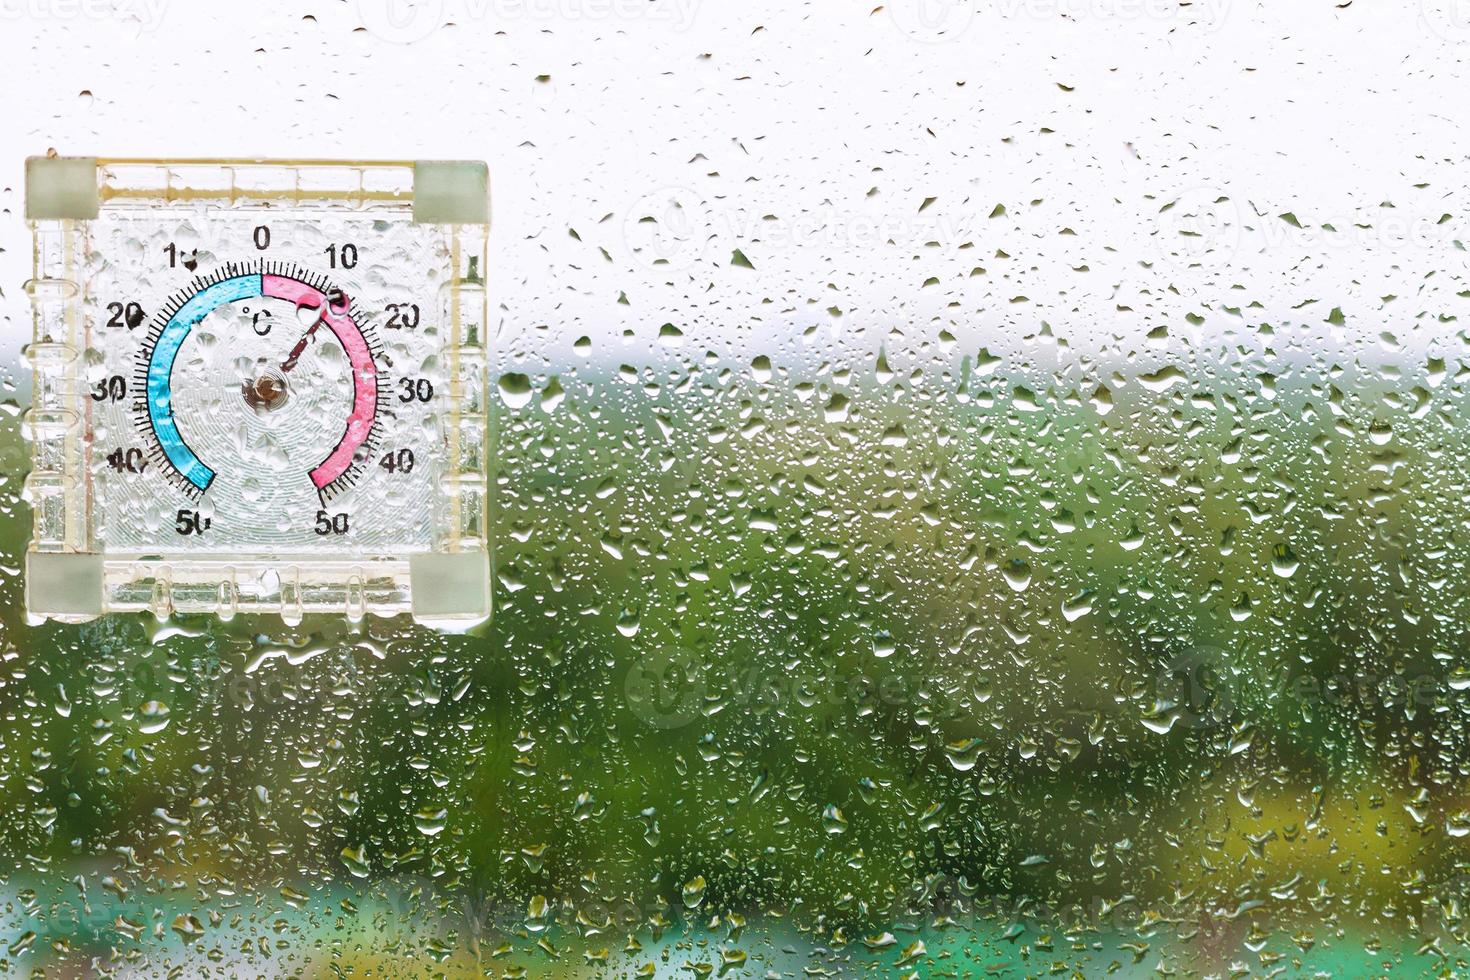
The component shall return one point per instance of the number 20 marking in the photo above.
(404, 316)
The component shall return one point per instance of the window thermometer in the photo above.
(258, 387)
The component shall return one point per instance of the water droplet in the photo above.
(154, 716)
(693, 892)
(515, 390)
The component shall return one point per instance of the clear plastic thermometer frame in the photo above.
(258, 387)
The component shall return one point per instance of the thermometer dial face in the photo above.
(259, 387)
(268, 383)
(241, 351)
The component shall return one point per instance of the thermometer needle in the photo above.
(296, 352)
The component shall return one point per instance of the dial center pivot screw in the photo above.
(267, 392)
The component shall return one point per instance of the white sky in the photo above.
(740, 111)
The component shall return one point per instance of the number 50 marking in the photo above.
(330, 523)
